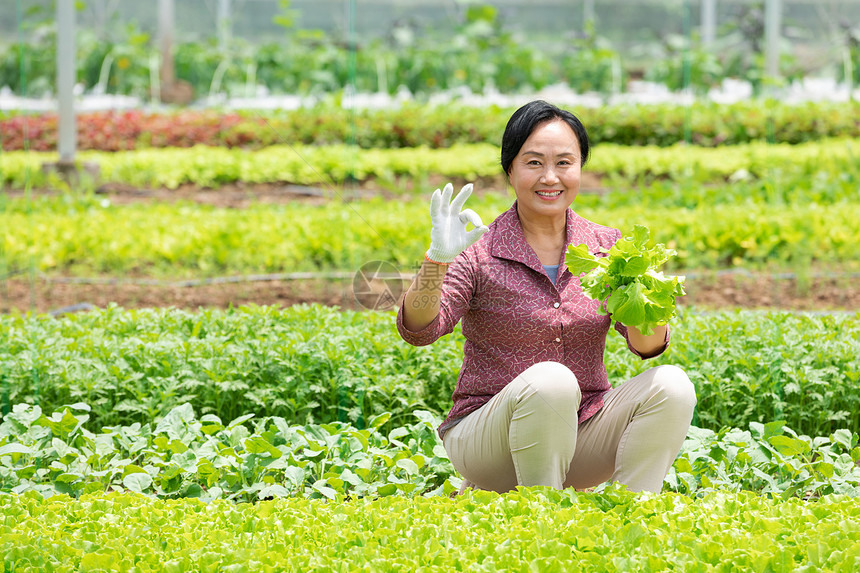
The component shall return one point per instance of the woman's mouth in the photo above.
(548, 194)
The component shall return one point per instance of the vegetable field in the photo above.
(523, 531)
(276, 424)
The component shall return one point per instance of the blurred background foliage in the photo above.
(307, 48)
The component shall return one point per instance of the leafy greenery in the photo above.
(181, 455)
(314, 364)
(339, 164)
(305, 364)
(476, 53)
(750, 366)
(628, 279)
(783, 206)
(91, 236)
(769, 458)
(530, 529)
(686, 65)
(437, 126)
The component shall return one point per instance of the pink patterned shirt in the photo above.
(514, 316)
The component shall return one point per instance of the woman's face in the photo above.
(545, 173)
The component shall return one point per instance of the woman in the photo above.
(533, 405)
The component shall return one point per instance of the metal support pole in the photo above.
(67, 127)
(225, 23)
(351, 89)
(166, 16)
(687, 69)
(588, 13)
(772, 27)
(709, 22)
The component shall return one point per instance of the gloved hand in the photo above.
(448, 237)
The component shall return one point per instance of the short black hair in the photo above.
(533, 114)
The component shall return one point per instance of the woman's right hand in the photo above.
(449, 237)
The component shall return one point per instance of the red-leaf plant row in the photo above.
(123, 130)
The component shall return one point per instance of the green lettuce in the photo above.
(628, 279)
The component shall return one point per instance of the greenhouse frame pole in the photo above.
(587, 13)
(67, 126)
(166, 15)
(709, 22)
(772, 27)
(225, 24)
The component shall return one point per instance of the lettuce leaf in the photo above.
(627, 280)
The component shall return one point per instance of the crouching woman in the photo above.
(533, 404)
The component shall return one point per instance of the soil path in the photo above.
(717, 292)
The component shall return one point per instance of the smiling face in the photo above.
(545, 173)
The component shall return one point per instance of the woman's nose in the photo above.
(549, 175)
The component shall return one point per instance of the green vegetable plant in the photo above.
(788, 166)
(628, 279)
(531, 529)
(317, 364)
(183, 455)
(412, 124)
(777, 227)
(770, 458)
(250, 459)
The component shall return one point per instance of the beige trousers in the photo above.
(529, 433)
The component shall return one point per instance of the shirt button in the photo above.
(558, 339)
(556, 304)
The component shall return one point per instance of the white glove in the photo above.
(449, 237)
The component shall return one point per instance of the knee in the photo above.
(553, 382)
(675, 386)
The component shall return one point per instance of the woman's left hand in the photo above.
(648, 345)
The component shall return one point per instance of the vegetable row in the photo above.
(414, 125)
(531, 529)
(93, 237)
(311, 363)
(336, 165)
(181, 455)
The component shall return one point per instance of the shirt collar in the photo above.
(509, 241)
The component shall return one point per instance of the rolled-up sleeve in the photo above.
(457, 292)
